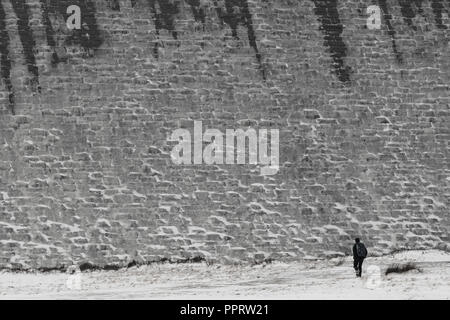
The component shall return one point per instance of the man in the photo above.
(359, 254)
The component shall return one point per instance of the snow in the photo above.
(421, 256)
(14, 227)
(326, 279)
(69, 227)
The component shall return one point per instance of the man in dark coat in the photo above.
(359, 254)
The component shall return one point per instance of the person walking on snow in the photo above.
(359, 254)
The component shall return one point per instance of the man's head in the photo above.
(357, 240)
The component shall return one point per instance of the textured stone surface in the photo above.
(85, 168)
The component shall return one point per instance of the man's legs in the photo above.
(360, 263)
(356, 265)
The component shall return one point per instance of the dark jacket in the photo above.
(355, 252)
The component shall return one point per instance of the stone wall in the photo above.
(85, 116)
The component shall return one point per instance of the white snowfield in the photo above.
(331, 279)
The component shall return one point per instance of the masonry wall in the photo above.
(85, 116)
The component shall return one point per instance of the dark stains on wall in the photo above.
(232, 13)
(237, 13)
(88, 37)
(248, 22)
(50, 34)
(438, 9)
(411, 8)
(391, 30)
(26, 38)
(114, 5)
(331, 26)
(409, 12)
(164, 13)
(197, 10)
(5, 63)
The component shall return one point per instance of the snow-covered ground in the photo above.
(333, 279)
